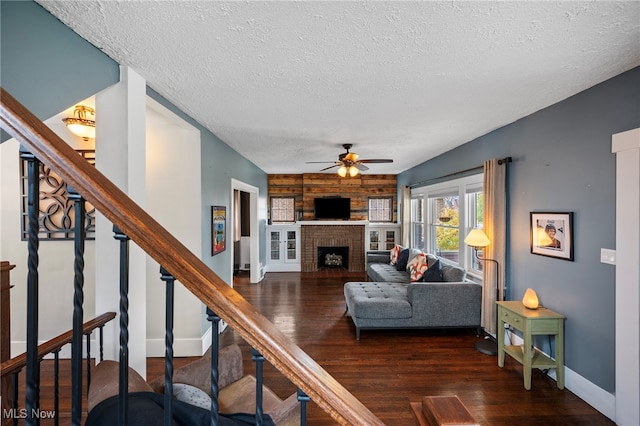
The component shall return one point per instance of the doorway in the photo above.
(241, 232)
(244, 211)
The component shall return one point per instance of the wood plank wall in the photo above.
(305, 187)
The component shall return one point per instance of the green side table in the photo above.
(531, 322)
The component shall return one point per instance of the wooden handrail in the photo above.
(194, 274)
(16, 364)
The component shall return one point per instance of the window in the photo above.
(381, 209)
(444, 220)
(282, 209)
(417, 224)
(441, 216)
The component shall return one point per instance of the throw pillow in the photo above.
(403, 258)
(433, 273)
(191, 395)
(395, 252)
(417, 267)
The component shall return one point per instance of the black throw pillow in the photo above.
(403, 258)
(433, 273)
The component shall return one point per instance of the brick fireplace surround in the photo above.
(314, 236)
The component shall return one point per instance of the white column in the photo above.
(626, 146)
(121, 156)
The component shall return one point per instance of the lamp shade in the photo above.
(530, 299)
(477, 238)
(342, 171)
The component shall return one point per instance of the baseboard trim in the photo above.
(598, 398)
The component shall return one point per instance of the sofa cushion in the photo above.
(377, 300)
(395, 252)
(403, 259)
(384, 272)
(433, 273)
(452, 273)
(417, 267)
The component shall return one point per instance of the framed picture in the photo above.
(218, 229)
(552, 234)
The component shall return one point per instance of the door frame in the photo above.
(254, 251)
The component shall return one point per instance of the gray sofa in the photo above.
(390, 301)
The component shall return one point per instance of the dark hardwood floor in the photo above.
(386, 370)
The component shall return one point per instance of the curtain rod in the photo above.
(501, 161)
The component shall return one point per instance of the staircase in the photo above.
(132, 223)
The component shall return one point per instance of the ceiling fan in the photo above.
(348, 162)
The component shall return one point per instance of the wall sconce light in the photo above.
(79, 124)
(530, 299)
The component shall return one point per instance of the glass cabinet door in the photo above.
(390, 239)
(291, 245)
(374, 239)
(274, 247)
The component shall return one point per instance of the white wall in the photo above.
(174, 200)
(55, 257)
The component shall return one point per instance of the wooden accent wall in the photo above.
(305, 187)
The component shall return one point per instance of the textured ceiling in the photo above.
(288, 82)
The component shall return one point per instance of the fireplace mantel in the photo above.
(332, 222)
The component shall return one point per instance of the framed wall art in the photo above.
(218, 229)
(552, 234)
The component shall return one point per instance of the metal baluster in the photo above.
(215, 374)
(32, 394)
(14, 403)
(88, 335)
(124, 326)
(259, 360)
(168, 346)
(78, 313)
(304, 399)
(56, 385)
(101, 333)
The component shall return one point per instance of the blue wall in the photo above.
(562, 161)
(48, 67)
(45, 65)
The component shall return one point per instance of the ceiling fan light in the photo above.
(342, 171)
(353, 171)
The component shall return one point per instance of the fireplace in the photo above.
(333, 257)
(349, 236)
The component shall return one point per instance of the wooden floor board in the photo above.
(385, 369)
(388, 369)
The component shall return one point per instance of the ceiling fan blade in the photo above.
(376, 160)
(330, 167)
(320, 162)
(361, 167)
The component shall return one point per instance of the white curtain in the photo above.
(495, 228)
(405, 234)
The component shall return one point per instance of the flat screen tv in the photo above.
(332, 208)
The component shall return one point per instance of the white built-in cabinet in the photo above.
(381, 236)
(283, 248)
